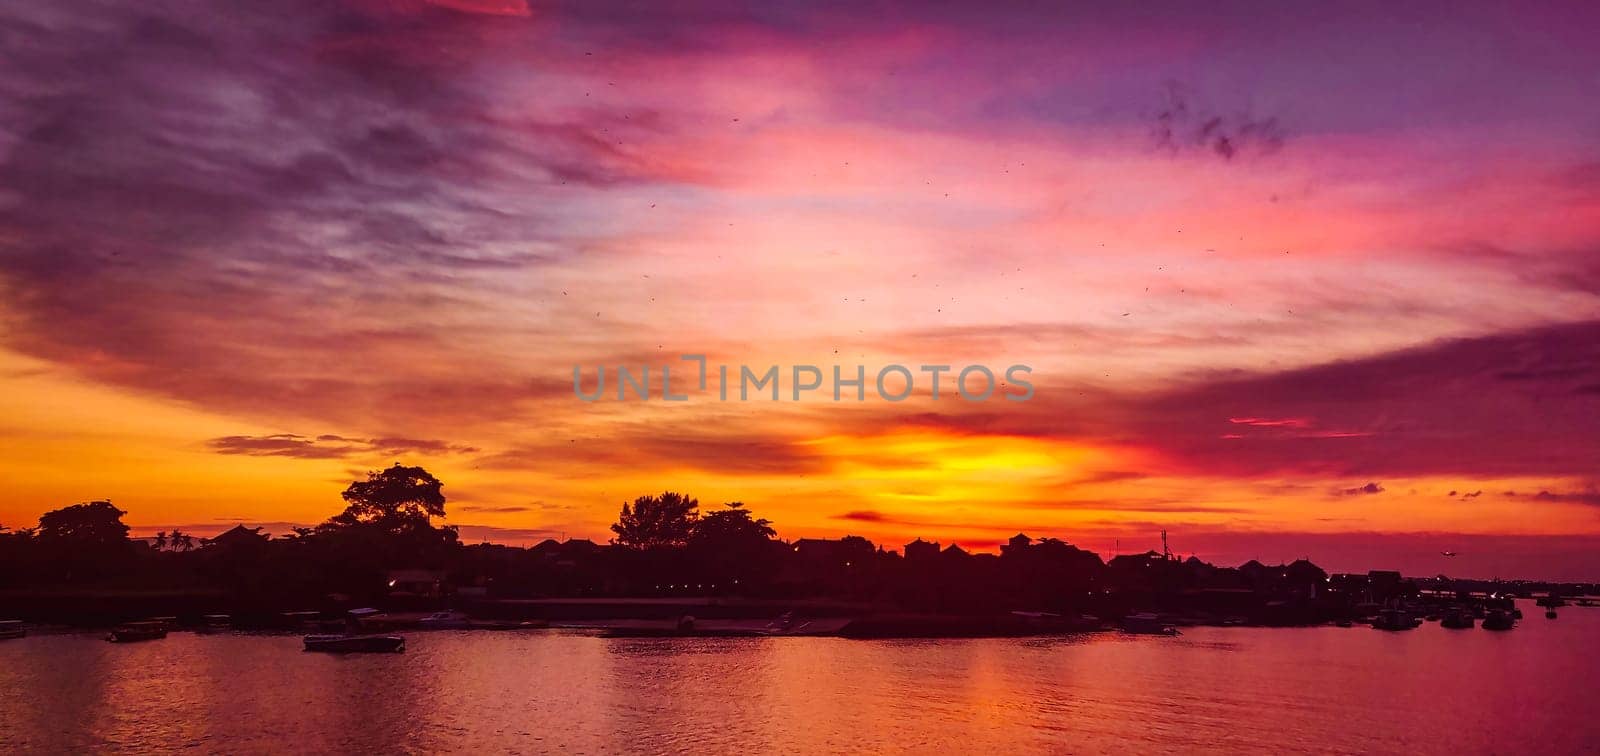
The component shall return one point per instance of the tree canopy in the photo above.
(396, 499)
(93, 525)
(731, 528)
(654, 522)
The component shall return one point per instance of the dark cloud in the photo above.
(1574, 497)
(330, 446)
(1110, 476)
(279, 210)
(1366, 490)
(1183, 124)
(864, 515)
(1505, 404)
(721, 450)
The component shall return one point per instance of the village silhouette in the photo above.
(672, 561)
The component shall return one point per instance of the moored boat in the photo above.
(446, 621)
(303, 620)
(1498, 619)
(1395, 619)
(1457, 619)
(138, 631)
(1146, 623)
(537, 624)
(684, 627)
(12, 629)
(355, 644)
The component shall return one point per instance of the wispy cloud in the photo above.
(330, 446)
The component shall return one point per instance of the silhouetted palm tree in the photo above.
(161, 540)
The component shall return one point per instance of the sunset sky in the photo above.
(1294, 280)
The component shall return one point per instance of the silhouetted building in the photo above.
(920, 549)
(1383, 585)
(239, 537)
(1017, 546)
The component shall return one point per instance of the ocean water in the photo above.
(1224, 690)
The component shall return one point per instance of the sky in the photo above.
(1291, 281)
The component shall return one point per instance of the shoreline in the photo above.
(678, 618)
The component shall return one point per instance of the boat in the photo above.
(1550, 601)
(303, 620)
(138, 631)
(787, 624)
(1457, 619)
(1146, 623)
(12, 629)
(685, 627)
(1550, 614)
(446, 621)
(1344, 623)
(672, 632)
(214, 623)
(1395, 619)
(355, 644)
(538, 624)
(1498, 619)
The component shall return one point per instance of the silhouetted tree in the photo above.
(181, 541)
(731, 526)
(95, 525)
(161, 540)
(397, 499)
(733, 549)
(654, 522)
(14, 548)
(386, 524)
(83, 540)
(297, 534)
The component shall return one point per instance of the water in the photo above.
(1316, 690)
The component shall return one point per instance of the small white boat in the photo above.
(214, 623)
(139, 631)
(355, 644)
(1146, 623)
(12, 629)
(446, 621)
